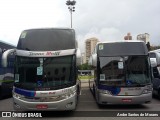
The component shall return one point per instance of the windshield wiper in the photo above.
(18, 84)
(22, 86)
(136, 84)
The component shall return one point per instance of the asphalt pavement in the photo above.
(87, 109)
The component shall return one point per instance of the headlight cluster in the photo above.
(67, 95)
(17, 95)
(147, 90)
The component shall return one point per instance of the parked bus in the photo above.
(155, 62)
(46, 70)
(6, 74)
(122, 73)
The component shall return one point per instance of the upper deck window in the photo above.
(122, 48)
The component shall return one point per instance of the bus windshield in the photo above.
(49, 73)
(124, 71)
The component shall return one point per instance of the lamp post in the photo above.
(71, 7)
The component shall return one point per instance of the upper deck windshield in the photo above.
(47, 39)
(48, 73)
(124, 71)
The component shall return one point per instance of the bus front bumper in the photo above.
(109, 99)
(65, 104)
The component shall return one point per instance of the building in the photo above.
(145, 37)
(128, 36)
(83, 56)
(90, 45)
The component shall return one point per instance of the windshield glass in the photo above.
(124, 71)
(44, 73)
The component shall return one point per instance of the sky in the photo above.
(103, 19)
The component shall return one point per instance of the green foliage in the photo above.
(84, 67)
(85, 77)
(150, 47)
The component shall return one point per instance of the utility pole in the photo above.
(71, 7)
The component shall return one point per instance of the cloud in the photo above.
(104, 34)
(104, 19)
(112, 20)
(18, 15)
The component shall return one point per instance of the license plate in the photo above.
(41, 106)
(126, 100)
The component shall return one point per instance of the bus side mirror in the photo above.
(153, 62)
(5, 55)
(94, 60)
(78, 57)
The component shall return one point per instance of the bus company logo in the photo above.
(35, 54)
(49, 53)
(52, 53)
(51, 93)
(43, 93)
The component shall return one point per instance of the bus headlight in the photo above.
(17, 95)
(104, 91)
(147, 90)
(67, 95)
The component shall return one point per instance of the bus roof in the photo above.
(4, 46)
(6, 43)
(116, 41)
(47, 39)
(59, 28)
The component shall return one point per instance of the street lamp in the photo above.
(71, 7)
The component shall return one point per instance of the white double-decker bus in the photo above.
(45, 70)
(122, 73)
(6, 74)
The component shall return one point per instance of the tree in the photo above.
(154, 47)
(84, 67)
(148, 46)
